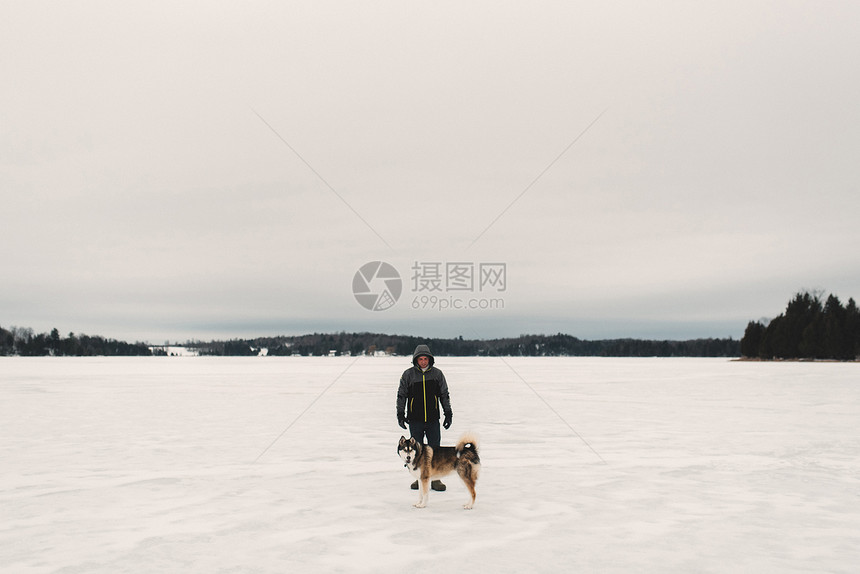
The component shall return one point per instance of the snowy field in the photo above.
(113, 465)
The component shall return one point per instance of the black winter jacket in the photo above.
(421, 392)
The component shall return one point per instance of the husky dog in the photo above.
(425, 463)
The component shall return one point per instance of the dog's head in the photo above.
(408, 450)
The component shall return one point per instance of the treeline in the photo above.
(808, 329)
(321, 344)
(23, 342)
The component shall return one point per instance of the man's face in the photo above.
(423, 361)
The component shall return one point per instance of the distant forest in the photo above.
(319, 344)
(811, 328)
(808, 329)
(23, 342)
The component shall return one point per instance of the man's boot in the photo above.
(438, 486)
(414, 485)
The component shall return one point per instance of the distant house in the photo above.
(173, 351)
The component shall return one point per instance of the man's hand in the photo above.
(401, 420)
(447, 423)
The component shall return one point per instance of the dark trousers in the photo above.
(431, 429)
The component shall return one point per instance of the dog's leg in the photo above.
(466, 473)
(470, 484)
(424, 489)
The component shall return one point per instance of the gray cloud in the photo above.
(143, 197)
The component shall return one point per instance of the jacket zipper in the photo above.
(424, 384)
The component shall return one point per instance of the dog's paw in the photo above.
(419, 505)
(468, 506)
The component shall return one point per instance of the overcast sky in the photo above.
(176, 170)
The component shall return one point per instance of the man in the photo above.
(422, 389)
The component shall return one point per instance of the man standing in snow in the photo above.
(422, 389)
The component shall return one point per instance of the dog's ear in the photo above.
(402, 440)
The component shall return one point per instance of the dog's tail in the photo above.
(468, 444)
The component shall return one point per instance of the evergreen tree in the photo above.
(852, 329)
(752, 340)
(807, 330)
(7, 342)
(835, 338)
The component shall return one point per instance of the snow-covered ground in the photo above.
(167, 464)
